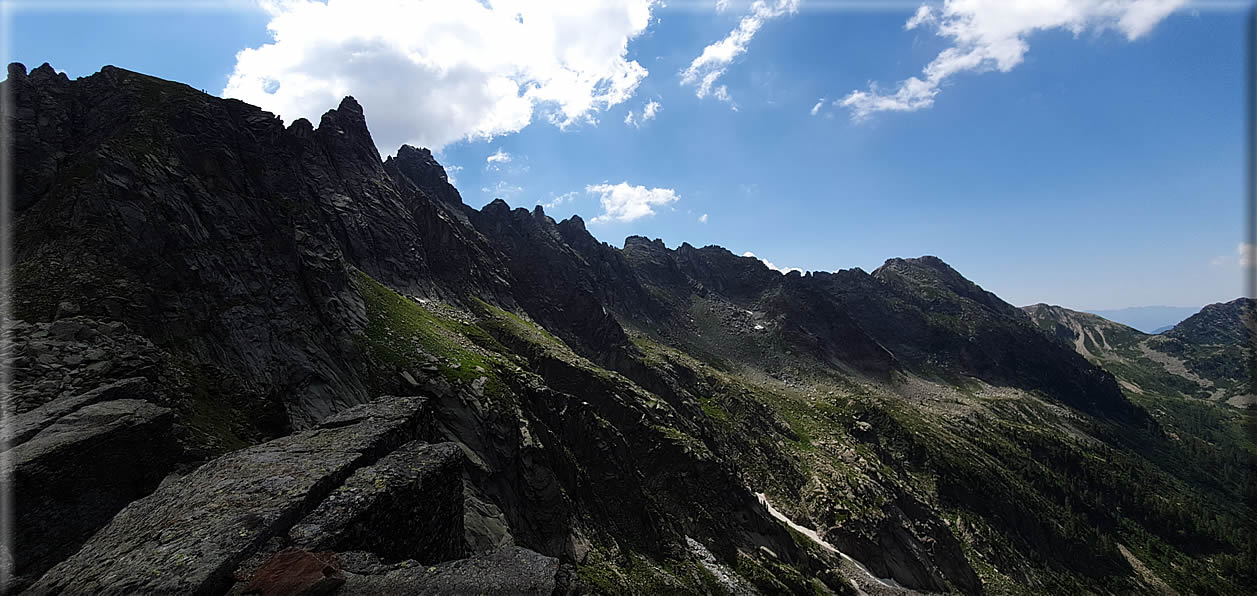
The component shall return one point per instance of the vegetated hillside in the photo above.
(194, 277)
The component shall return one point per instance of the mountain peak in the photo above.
(418, 166)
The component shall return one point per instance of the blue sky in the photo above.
(1099, 168)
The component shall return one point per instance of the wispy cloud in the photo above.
(991, 35)
(705, 70)
(817, 108)
(649, 111)
(559, 200)
(502, 190)
(623, 202)
(702, 218)
(1245, 256)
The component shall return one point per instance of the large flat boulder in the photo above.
(24, 426)
(189, 535)
(76, 472)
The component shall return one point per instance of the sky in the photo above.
(1086, 153)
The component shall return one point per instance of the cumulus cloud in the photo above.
(436, 71)
(770, 264)
(988, 35)
(623, 203)
(702, 218)
(709, 66)
(649, 111)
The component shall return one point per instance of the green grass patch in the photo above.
(403, 333)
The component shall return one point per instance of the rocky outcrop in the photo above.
(26, 425)
(555, 284)
(72, 475)
(272, 519)
(415, 493)
(189, 535)
(511, 570)
(72, 356)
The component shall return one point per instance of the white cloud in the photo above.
(721, 5)
(433, 72)
(702, 218)
(770, 265)
(502, 190)
(709, 66)
(652, 108)
(494, 162)
(624, 203)
(923, 16)
(560, 199)
(816, 108)
(649, 111)
(991, 35)
(498, 156)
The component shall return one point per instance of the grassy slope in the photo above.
(406, 334)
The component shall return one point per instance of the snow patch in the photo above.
(885, 581)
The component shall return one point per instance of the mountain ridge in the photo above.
(619, 408)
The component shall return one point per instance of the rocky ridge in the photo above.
(591, 419)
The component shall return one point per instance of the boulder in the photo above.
(72, 476)
(297, 572)
(189, 535)
(26, 425)
(408, 505)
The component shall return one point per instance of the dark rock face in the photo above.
(415, 493)
(72, 475)
(554, 284)
(420, 169)
(210, 217)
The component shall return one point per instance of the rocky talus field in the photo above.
(253, 357)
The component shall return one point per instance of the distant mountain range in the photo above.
(1149, 319)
